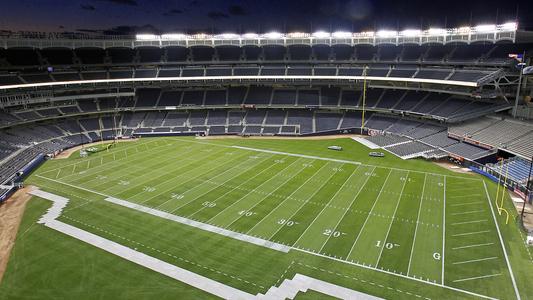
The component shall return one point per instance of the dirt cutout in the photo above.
(11, 212)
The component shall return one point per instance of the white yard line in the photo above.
(251, 191)
(122, 168)
(348, 208)
(293, 192)
(502, 244)
(472, 246)
(469, 203)
(477, 277)
(474, 260)
(368, 267)
(221, 184)
(325, 206)
(345, 161)
(416, 228)
(89, 159)
(237, 187)
(471, 233)
(467, 212)
(316, 254)
(171, 178)
(469, 222)
(368, 217)
(392, 219)
(303, 204)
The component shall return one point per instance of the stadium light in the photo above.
(386, 33)
(510, 26)
(464, 29)
(228, 36)
(485, 28)
(146, 37)
(250, 35)
(297, 34)
(342, 34)
(321, 34)
(174, 36)
(437, 31)
(273, 35)
(410, 32)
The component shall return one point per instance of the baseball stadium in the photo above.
(387, 164)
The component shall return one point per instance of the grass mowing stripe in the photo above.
(336, 227)
(266, 225)
(193, 172)
(416, 228)
(426, 258)
(368, 217)
(137, 158)
(250, 194)
(313, 235)
(174, 193)
(123, 179)
(386, 239)
(288, 235)
(116, 166)
(44, 169)
(265, 204)
(352, 222)
(227, 192)
(194, 201)
(397, 246)
(148, 183)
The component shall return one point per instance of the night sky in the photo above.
(194, 16)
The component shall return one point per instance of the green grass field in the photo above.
(390, 228)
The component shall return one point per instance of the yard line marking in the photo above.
(320, 255)
(369, 214)
(443, 229)
(470, 233)
(469, 203)
(199, 225)
(392, 219)
(277, 206)
(324, 208)
(236, 187)
(416, 228)
(344, 161)
(251, 208)
(348, 208)
(303, 204)
(203, 172)
(90, 159)
(478, 277)
(501, 242)
(472, 246)
(118, 164)
(218, 185)
(474, 260)
(467, 212)
(394, 274)
(469, 195)
(469, 222)
(130, 165)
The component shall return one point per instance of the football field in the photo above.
(433, 231)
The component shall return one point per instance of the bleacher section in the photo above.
(495, 131)
(516, 168)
